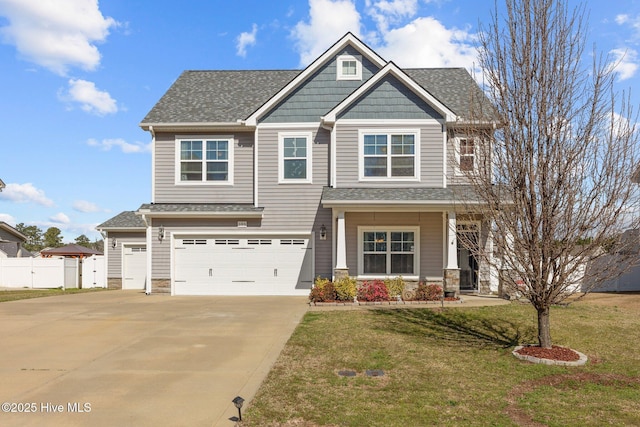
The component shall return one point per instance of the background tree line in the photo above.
(38, 240)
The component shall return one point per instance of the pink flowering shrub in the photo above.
(428, 292)
(375, 290)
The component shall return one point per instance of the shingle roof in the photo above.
(126, 219)
(395, 195)
(238, 208)
(229, 96)
(217, 96)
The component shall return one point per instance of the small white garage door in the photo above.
(231, 265)
(134, 266)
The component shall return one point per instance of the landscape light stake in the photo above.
(238, 401)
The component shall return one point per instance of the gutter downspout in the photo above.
(153, 163)
(105, 247)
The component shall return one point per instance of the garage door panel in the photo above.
(243, 266)
(134, 266)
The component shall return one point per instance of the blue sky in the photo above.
(78, 76)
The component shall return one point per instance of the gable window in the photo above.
(205, 160)
(294, 152)
(388, 251)
(388, 155)
(349, 67)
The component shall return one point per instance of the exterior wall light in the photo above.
(114, 243)
(161, 233)
(323, 232)
(238, 401)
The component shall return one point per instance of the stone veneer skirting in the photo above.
(114, 283)
(161, 286)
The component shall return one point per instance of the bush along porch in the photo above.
(390, 291)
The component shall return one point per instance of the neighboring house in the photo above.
(263, 180)
(2, 185)
(11, 241)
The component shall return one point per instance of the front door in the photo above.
(468, 237)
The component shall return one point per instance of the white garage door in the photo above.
(135, 266)
(230, 265)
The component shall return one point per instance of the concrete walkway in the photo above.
(121, 358)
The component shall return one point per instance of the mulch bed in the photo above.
(554, 353)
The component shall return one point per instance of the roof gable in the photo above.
(348, 40)
(12, 231)
(390, 70)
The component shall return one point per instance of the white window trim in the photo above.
(357, 75)
(309, 137)
(457, 140)
(389, 132)
(416, 251)
(204, 138)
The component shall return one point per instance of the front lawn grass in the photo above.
(452, 367)
(18, 294)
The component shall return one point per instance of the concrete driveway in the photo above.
(122, 358)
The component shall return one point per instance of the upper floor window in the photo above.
(205, 160)
(389, 155)
(294, 152)
(466, 154)
(349, 67)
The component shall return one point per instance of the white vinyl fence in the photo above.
(41, 273)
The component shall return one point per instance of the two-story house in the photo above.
(263, 180)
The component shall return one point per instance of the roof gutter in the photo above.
(239, 125)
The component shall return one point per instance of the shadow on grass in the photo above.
(455, 326)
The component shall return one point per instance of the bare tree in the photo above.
(555, 178)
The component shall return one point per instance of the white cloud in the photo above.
(60, 218)
(91, 99)
(399, 36)
(386, 13)
(56, 34)
(624, 62)
(328, 19)
(25, 193)
(85, 206)
(246, 39)
(126, 147)
(622, 19)
(8, 219)
(425, 42)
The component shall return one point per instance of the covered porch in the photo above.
(421, 234)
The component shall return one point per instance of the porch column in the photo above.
(341, 269)
(452, 272)
(452, 241)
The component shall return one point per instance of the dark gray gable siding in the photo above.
(390, 99)
(319, 94)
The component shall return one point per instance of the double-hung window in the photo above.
(389, 155)
(466, 155)
(294, 153)
(205, 160)
(388, 251)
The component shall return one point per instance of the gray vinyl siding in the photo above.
(431, 235)
(114, 269)
(319, 93)
(167, 191)
(431, 155)
(291, 206)
(389, 99)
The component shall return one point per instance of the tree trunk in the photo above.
(544, 328)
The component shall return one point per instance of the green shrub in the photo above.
(428, 292)
(395, 286)
(373, 291)
(346, 288)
